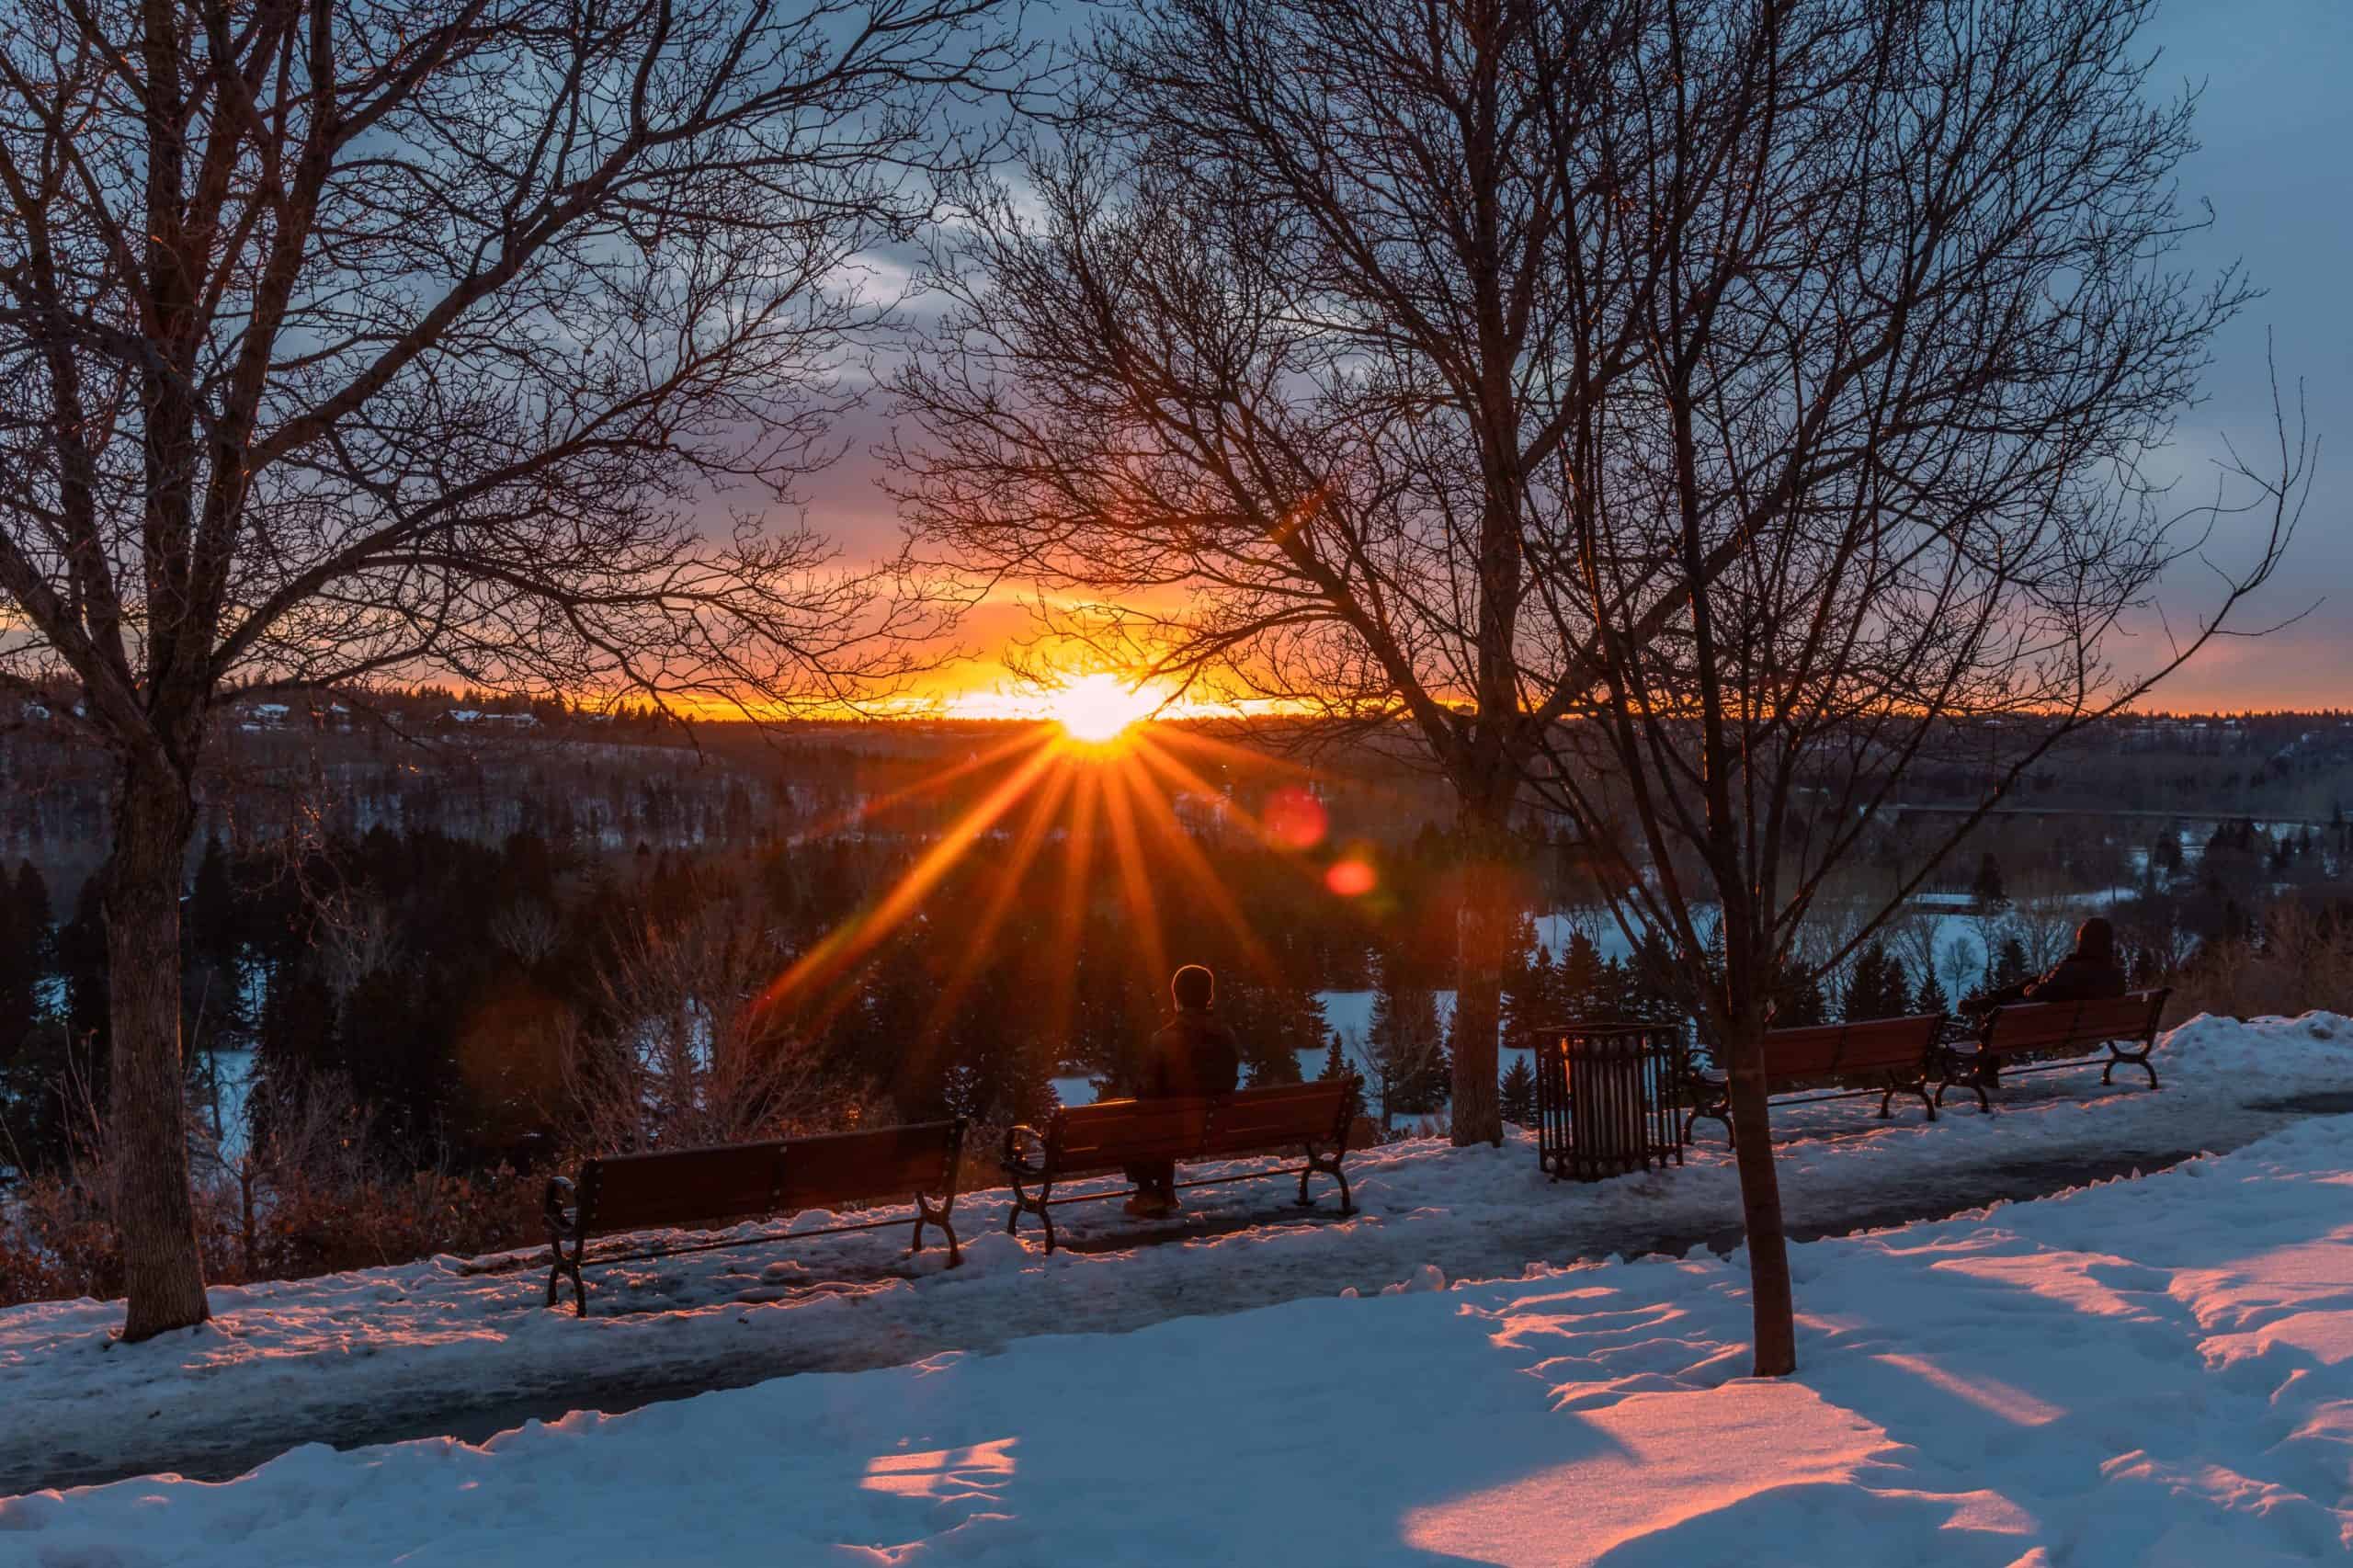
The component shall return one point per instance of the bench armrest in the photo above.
(1016, 1160)
(561, 1206)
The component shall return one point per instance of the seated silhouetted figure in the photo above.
(1190, 1054)
(2090, 973)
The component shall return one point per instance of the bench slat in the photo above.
(1827, 1050)
(686, 1186)
(1115, 1133)
(1261, 1118)
(848, 1167)
(628, 1192)
(2067, 1026)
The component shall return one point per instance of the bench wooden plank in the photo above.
(1085, 1140)
(1294, 1113)
(850, 1167)
(629, 1192)
(2041, 1030)
(1110, 1133)
(1897, 1052)
(674, 1187)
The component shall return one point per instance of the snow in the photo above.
(2154, 1371)
(2143, 1372)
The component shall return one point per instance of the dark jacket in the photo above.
(2078, 977)
(1192, 1053)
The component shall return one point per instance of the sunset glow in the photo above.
(1099, 709)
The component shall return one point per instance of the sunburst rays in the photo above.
(1054, 785)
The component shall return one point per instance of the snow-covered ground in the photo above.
(395, 1351)
(2154, 1371)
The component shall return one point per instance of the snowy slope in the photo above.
(348, 1356)
(2150, 1372)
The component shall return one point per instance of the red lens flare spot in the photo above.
(1351, 878)
(1295, 819)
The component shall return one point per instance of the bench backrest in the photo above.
(679, 1187)
(1118, 1132)
(1823, 1051)
(888, 1161)
(1278, 1117)
(2061, 1026)
(1113, 1132)
(735, 1181)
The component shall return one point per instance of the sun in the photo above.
(1099, 709)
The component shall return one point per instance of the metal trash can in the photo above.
(1609, 1098)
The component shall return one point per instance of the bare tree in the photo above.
(689, 1053)
(348, 338)
(1928, 338)
(528, 930)
(1267, 341)
(1692, 407)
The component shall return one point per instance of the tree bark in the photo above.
(1770, 1300)
(1482, 930)
(155, 1217)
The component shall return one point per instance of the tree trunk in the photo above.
(1760, 1212)
(147, 1135)
(1482, 933)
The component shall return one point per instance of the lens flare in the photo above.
(1295, 819)
(1099, 709)
(1351, 878)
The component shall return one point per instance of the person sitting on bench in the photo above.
(1191, 1054)
(2090, 973)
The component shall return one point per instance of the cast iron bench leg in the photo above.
(1717, 1109)
(1974, 1083)
(1024, 1204)
(1896, 1085)
(562, 1268)
(1330, 1168)
(2136, 1058)
(936, 1214)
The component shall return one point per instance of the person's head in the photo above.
(2095, 938)
(1194, 987)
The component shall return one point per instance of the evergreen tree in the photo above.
(27, 945)
(1931, 997)
(211, 924)
(2010, 963)
(1530, 996)
(1878, 987)
(1519, 1094)
(1798, 1003)
(1581, 985)
(1895, 1000)
(1335, 1062)
(1405, 1042)
(35, 921)
(82, 962)
(1985, 888)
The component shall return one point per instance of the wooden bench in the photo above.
(1896, 1055)
(1090, 1140)
(740, 1181)
(2036, 1031)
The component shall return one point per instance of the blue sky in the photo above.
(2276, 122)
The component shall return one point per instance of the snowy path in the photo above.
(431, 1347)
(2144, 1374)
